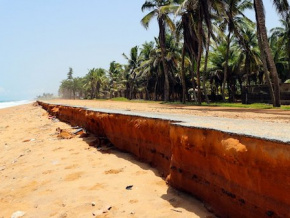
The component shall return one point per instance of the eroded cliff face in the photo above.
(238, 176)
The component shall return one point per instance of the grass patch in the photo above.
(240, 105)
(119, 99)
(133, 100)
(284, 107)
(215, 104)
(234, 105)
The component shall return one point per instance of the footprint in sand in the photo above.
(134, 201)
(47, 172)
(71, 167)
(73, 176)
(114, 171)
(59, 148)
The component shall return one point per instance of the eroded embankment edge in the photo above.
(236, 174)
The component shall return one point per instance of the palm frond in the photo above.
(148, 5)
(170, 23)
(146, 20)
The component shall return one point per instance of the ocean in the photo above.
(5, 104)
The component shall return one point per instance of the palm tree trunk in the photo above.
(192, 76)
(199, 60)
(183, 76)
(92, 92)
(226, 66)
(260, 17)
(247, 70)
(147, 96)
(205, 66)
(288, 51)
(266, 71)
(163, 53)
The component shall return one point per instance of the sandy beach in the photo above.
(44, 176)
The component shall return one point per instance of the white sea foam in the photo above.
(14, 103)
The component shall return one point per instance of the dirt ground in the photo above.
(44, 176)
(267, 115)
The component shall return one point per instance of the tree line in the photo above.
(206, 50)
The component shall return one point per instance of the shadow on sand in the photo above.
(179, 200)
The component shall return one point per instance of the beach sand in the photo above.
(266, 115)
(45, 176)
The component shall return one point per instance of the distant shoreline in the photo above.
(7, 104)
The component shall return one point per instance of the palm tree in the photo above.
(160, 11)
(234, 18)
(195, 16)
(192, 15)
(280, 39)
(116, 72)
(151, 67)
(218, 57)
(190, 45)
(147, 68)
(282, 7)
(94, 80)
(249, 57)
(133, 63)
(77, 87)
(279, 51)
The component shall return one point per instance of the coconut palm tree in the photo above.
(130, 70)
(234, 18)
(279, 51)
(218, 56)
(195, 16)
(77, 85)
(282, 7)
(116, 80)
(94, 80)
(159, 10)
(249, 59)
(147, 68)
(280, 41)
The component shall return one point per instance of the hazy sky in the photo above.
(40, 40)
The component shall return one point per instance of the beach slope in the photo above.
(45, 176)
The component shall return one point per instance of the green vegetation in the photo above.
(206, 51)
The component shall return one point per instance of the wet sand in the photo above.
(45, 176)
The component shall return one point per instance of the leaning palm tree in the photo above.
(159, 9)
(282, 7)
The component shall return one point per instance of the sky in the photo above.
(40, 40)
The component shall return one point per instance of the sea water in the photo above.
(5, 104)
